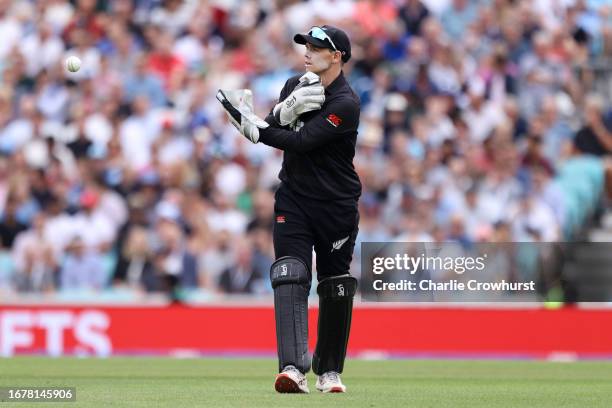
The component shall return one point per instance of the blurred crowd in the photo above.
(127, 175)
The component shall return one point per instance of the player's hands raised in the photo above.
(238, 105)
(307, 96)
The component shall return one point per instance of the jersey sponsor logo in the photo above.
(334, 120)
(280, 219)
(338, 244)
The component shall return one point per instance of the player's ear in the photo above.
(337, 56)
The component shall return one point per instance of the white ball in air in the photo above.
(73, 63)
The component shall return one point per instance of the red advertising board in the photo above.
(226, 330)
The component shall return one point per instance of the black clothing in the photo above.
(9, 229)
(318, 159)
(587, 142)
(80, 147)
(315, 206)
(143, 272)
(331, 227)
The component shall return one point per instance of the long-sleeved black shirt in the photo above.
(318, 158)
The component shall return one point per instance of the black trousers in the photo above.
(301, 223)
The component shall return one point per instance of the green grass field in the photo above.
(161, 382)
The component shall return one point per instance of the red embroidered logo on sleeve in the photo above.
(334, 120)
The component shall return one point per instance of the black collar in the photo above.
(336, 84)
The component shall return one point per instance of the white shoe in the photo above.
(330, 382)
(292, 381)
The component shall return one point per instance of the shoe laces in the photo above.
(332, 376)
(301, 377)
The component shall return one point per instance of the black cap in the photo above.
(339, 38)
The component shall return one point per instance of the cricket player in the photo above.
(315, 124)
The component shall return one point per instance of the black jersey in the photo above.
(319, 150)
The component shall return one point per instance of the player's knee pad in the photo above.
(291, 283)
(335, 311)
(289, 270)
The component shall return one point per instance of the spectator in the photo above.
(176, 267)
(594, 137)
(97, 230)
(10, 227)
(164, 63)
(134, 266)
(534, 157)
(138, 132)
(412, 13)
(458, 17)
(144, 83)
(243, 276)
(86, 19)
(83, 268)
(21, 129)
(42, 49)
(533, 221)
(34, 258)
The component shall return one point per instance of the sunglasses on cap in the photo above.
(320, 34)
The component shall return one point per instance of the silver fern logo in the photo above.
(338, 244)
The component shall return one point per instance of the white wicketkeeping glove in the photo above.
(238, 105)
(307, 96)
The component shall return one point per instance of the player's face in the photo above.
(318, 60)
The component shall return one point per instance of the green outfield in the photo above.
(160, 382)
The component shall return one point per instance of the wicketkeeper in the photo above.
(315, 124)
